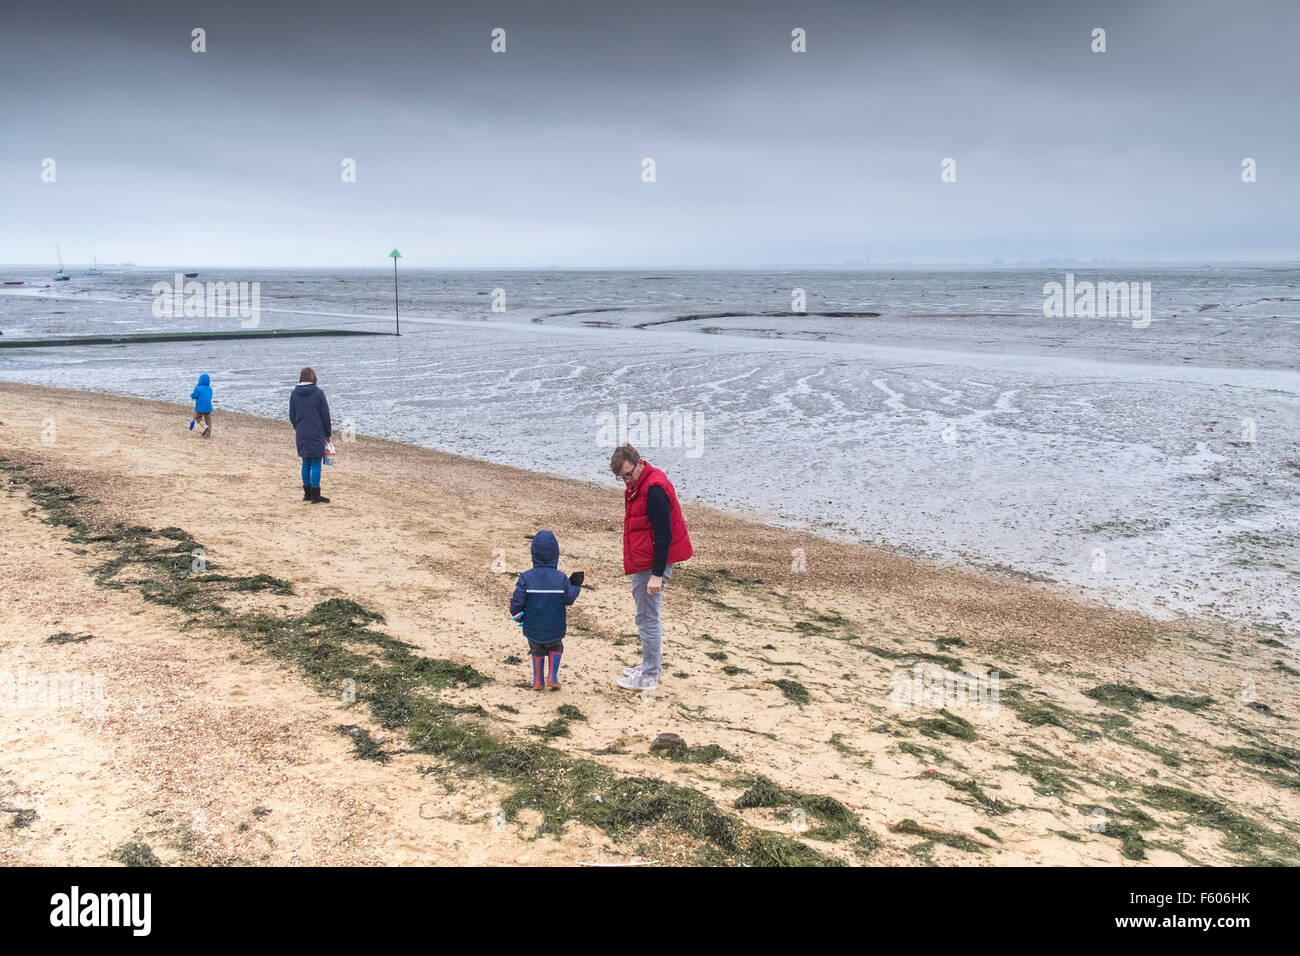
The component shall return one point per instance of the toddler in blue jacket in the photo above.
(202, 396)
(541, 595)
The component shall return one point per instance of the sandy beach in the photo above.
(228, 731)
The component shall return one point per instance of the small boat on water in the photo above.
(61, 276)
(94, 270)
(191, 275)
(17, 282)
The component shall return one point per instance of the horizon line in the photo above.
(893, 265)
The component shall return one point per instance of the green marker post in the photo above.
(395, 255)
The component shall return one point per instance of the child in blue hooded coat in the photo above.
(202, 396)
(538, 604)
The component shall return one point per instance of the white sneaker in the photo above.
(638, 682)
(632, 671)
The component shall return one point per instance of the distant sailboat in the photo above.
(61, 276)
(94, 270)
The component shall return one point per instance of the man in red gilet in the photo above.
(654, 539)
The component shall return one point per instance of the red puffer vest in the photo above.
(638, 541)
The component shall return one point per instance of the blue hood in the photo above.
(546, 550)
(204, 380)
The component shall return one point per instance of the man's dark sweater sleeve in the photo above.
(661, 526)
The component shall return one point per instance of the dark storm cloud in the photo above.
(532, 157)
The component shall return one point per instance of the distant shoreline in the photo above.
(144, 338)
(775, 267)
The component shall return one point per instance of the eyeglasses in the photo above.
(627, 475)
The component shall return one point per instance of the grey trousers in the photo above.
(647, 621)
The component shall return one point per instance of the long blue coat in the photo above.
(309, 414)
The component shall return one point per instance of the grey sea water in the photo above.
(938, 413)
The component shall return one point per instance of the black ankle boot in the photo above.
(316, 498)
(306, 492)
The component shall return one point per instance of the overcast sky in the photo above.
(533, 157)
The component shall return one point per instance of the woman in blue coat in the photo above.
(309, 414)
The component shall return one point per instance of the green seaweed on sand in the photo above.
(364, 747)
(837, 742)
(1123, 821)
(559, 727)
(836, 821)
(544, 779)
(957, 841)
(22, 817)
(135, 853)
(333, 644)
(920, 752)
(972, 789)
(679, 752)
(1190, 704)
(1279, 765)
(1039, 713)
(1126, 696)
(253, 582)
(833, 619)
(68, 637)
(56, 501)
(944, 660)
(945, 724)
(1047, 773)
(792, 689)
(1241, 836)
(1128, 737)
(710, 579)
(1279, 758)
(563, 789)
(706, 584)
(1132, 844)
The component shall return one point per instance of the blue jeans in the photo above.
(647, 621)
(311, 472)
